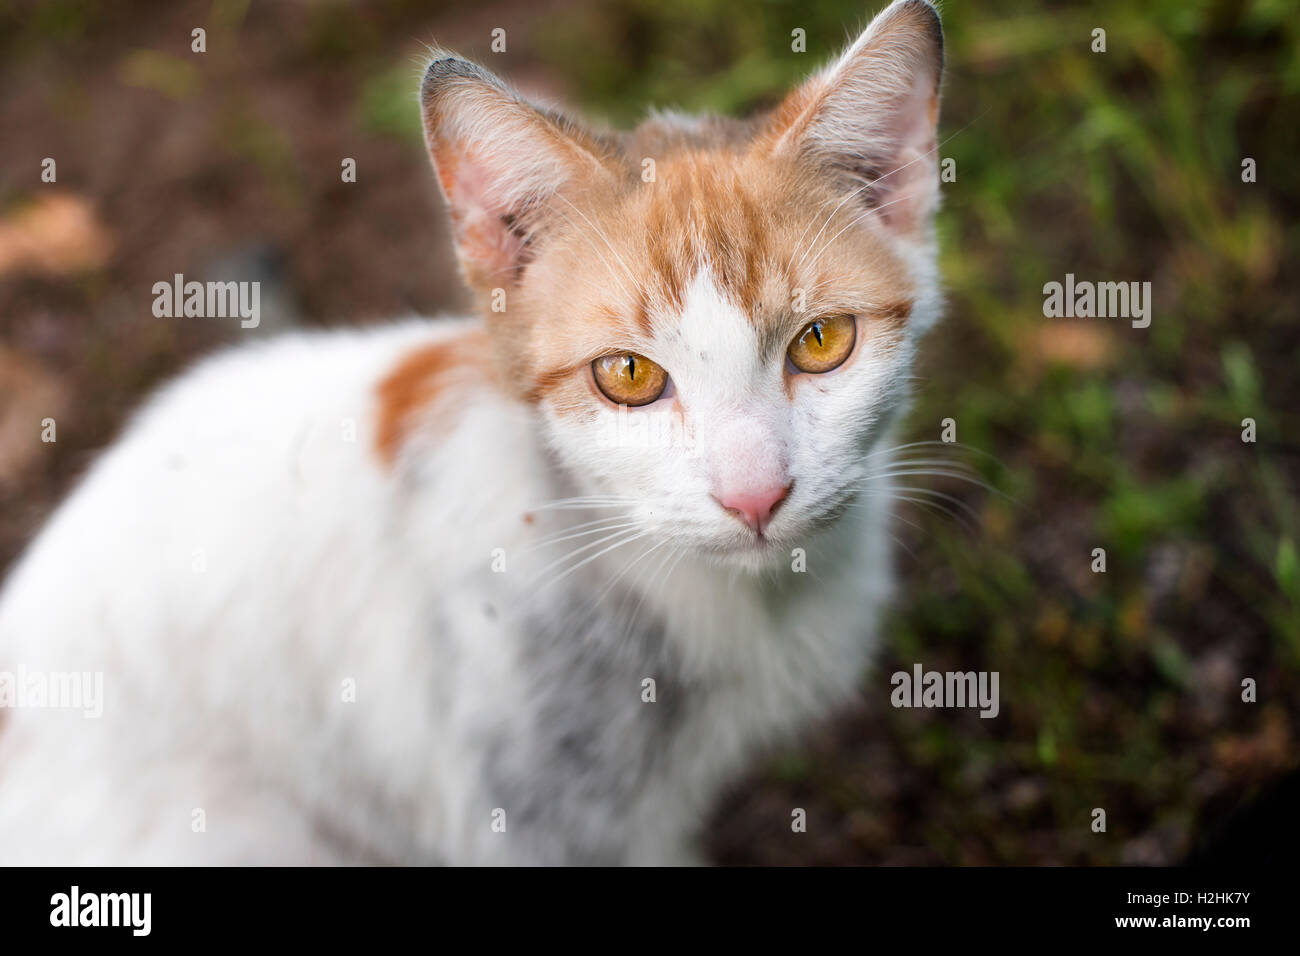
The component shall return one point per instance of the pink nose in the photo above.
(754, 505)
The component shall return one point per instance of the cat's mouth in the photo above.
(779, 539)
(749, 546)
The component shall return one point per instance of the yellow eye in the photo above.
(823, 344)
(629, 379)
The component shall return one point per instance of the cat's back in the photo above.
(260, 461)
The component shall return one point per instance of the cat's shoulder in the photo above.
(377, 378)
(294, 365)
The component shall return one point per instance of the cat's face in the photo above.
(716, 320)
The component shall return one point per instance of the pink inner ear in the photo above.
(908, 188)
(488, 247)
(915, 115)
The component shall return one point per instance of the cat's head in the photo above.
(715, 319)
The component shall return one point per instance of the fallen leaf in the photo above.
(56, 234)
(1084, 345)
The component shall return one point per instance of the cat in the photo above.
(530, 587)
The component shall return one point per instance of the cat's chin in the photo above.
(754, 553)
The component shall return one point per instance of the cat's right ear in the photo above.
(871, 117)
(501, 162)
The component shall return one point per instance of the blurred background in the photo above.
(1119, 690)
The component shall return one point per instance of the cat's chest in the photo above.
(628, 710)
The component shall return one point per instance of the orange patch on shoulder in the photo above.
(418, 380)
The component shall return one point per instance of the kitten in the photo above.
(523, 588)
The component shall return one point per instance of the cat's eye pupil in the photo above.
(823, 344)
(629, 379)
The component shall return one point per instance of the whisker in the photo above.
(587, 560)
(579, 550)
(837, 208)
(562, 504)
(941, 496)
(870, 211)
(626, 268)
(879, 179)
(934, 506)
(645, 552)
(557, 538)
(935, 473)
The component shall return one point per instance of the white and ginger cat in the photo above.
(528, 587)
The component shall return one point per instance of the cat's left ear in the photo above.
(872, 116)
(502, 163)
